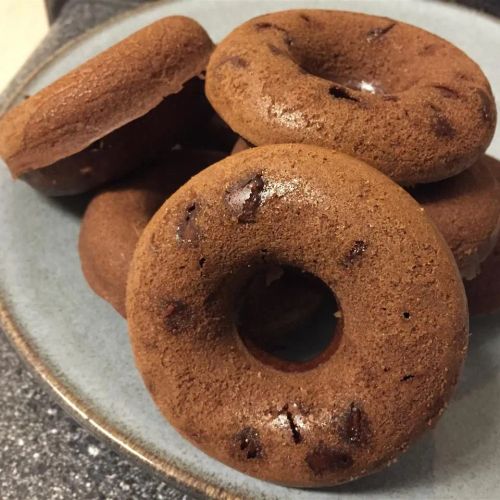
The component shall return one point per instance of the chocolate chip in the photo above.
(405, 378)
(324, 459)
(296, 436)
(342, 93)
(487, 109)
(244, 199)
(236, 61)
(442, 127)
(357, 250)
(356, 427)
(248, 444)
(307, 19)
(187, 230)
(201, 262)
(446, 91)
(406, 315)
(175, 312)
(376, 33)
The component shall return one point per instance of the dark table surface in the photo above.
(45, 454)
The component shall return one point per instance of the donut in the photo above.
(396, 347)
(116, 217)
(483, 292)
(343, 80)
(465, 208)
(111, 114)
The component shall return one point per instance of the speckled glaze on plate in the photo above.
(77, 343)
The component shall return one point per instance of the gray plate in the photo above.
(78, 344)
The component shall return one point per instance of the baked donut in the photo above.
(399, 341)
(116, 217)
(400, 98)
(483, 292)
(466, 210)
(111, 114)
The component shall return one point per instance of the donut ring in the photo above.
(109, 115)
(116, 217)
(483, 292)
(342, 80)
(465, 208)
(377, 387)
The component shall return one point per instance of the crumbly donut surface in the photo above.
(403, 335)
(400, 98)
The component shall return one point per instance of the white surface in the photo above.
(85, 341)
(23, 24)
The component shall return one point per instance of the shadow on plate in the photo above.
(75, 205)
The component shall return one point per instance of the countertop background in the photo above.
(44, 454)
(23, 24)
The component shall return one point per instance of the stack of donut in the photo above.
(359, 172)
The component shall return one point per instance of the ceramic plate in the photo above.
(78, 344)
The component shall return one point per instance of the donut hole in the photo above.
(365, 70)
(345, 79)
(287, 318)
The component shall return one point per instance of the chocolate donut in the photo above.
(400, 98)
(466, 210)
(116, 217)
(399, 341)
(112, 113)
(483, 292)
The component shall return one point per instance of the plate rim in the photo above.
(61, 392)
